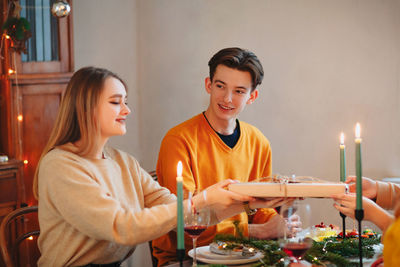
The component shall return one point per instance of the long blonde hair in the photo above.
(76, 118)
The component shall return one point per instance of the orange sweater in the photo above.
(207, 160)
(388, 196)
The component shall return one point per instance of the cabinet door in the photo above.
(39, 104)
(49, 48)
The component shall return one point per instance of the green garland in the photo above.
(330, 250)
(17, 28)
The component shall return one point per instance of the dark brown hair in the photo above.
(240, 59)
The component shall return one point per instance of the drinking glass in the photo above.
(196, 222)
(296, 233)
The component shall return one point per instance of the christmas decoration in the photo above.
(17, 28)
(60, 9)
(333, 250)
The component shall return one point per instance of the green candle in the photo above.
(358, 169)
(180, 225)
(342, 159)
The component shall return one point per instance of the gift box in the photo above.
(265, 189)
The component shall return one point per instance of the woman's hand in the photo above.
(368, 186)
(218, 198)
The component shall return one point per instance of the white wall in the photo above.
(105, 35)
(328, 64)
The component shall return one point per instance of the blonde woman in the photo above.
(95, 202)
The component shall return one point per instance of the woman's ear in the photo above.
(253, 96)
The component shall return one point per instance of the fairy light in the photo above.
(11, 71)
(26, 162)
(20, 118)
(7, 36)
(30, 238)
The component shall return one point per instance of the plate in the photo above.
(205, 255)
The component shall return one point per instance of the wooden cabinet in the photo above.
(29, 98)
(12, 186)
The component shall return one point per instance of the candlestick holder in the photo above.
(343, 225)
(180, 254)
(359, 214)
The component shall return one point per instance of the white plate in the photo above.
(205, 255)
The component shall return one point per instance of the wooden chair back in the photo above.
(153, 259)
(19, 231)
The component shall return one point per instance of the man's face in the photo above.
(230, 92)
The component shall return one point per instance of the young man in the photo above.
(215, 145)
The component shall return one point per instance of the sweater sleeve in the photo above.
(173, 150)
(262, 216)
(73, 193)
(386, 194)
(154, 194)
(391, 242)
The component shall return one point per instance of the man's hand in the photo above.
(275, 227)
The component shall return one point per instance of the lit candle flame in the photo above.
(358, 130)
(342, 138)
(179, 171)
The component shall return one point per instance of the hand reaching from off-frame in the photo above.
(369, 187)
(346, 204)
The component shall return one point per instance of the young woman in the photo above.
(95, 202)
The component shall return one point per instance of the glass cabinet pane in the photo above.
(43, 45)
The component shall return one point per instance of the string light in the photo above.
(30, 238)
(20, 118)
(26, 162)
(11, 71)
(7, 36)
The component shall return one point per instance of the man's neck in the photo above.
(225, 127)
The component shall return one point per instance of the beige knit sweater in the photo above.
(98, 210)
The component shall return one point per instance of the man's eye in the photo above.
(114, 103)
(240, 92)
(219, 85)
